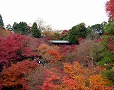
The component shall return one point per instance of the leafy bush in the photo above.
(68, 53)
(84, 52)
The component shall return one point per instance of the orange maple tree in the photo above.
(77, 77)
(81, 78)
(13, 77)
(49, 53)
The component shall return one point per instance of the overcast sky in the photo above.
(60, 14)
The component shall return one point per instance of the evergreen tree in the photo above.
(35, 31)
(20, 28)
(1, 21)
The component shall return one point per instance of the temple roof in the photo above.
(59, 41)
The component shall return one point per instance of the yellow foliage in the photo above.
(83, 78)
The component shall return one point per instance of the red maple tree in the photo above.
(110, 9)
(15, 47)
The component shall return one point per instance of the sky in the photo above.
(59, 14)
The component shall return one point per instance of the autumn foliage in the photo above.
(29, 63)
(51, 82)
(77, 77)
(68, 53)
(84, 78)
(65, 69)
(13, 77)
(15, 48)
(4, 32)
(84, 52)
(110, 8)
(49, 53)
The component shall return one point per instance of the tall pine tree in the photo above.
(35, 31)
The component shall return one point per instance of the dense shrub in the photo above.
(95, 53)
(84, 52)
(68, 53)
(36, 77)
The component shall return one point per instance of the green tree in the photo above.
(35, 31)
(96, 30)
(107, 56)
(109, 28)
(20, 28)
(1, 21)
(98, 27)
(78, 31)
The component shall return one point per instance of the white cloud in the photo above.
(61, 14)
